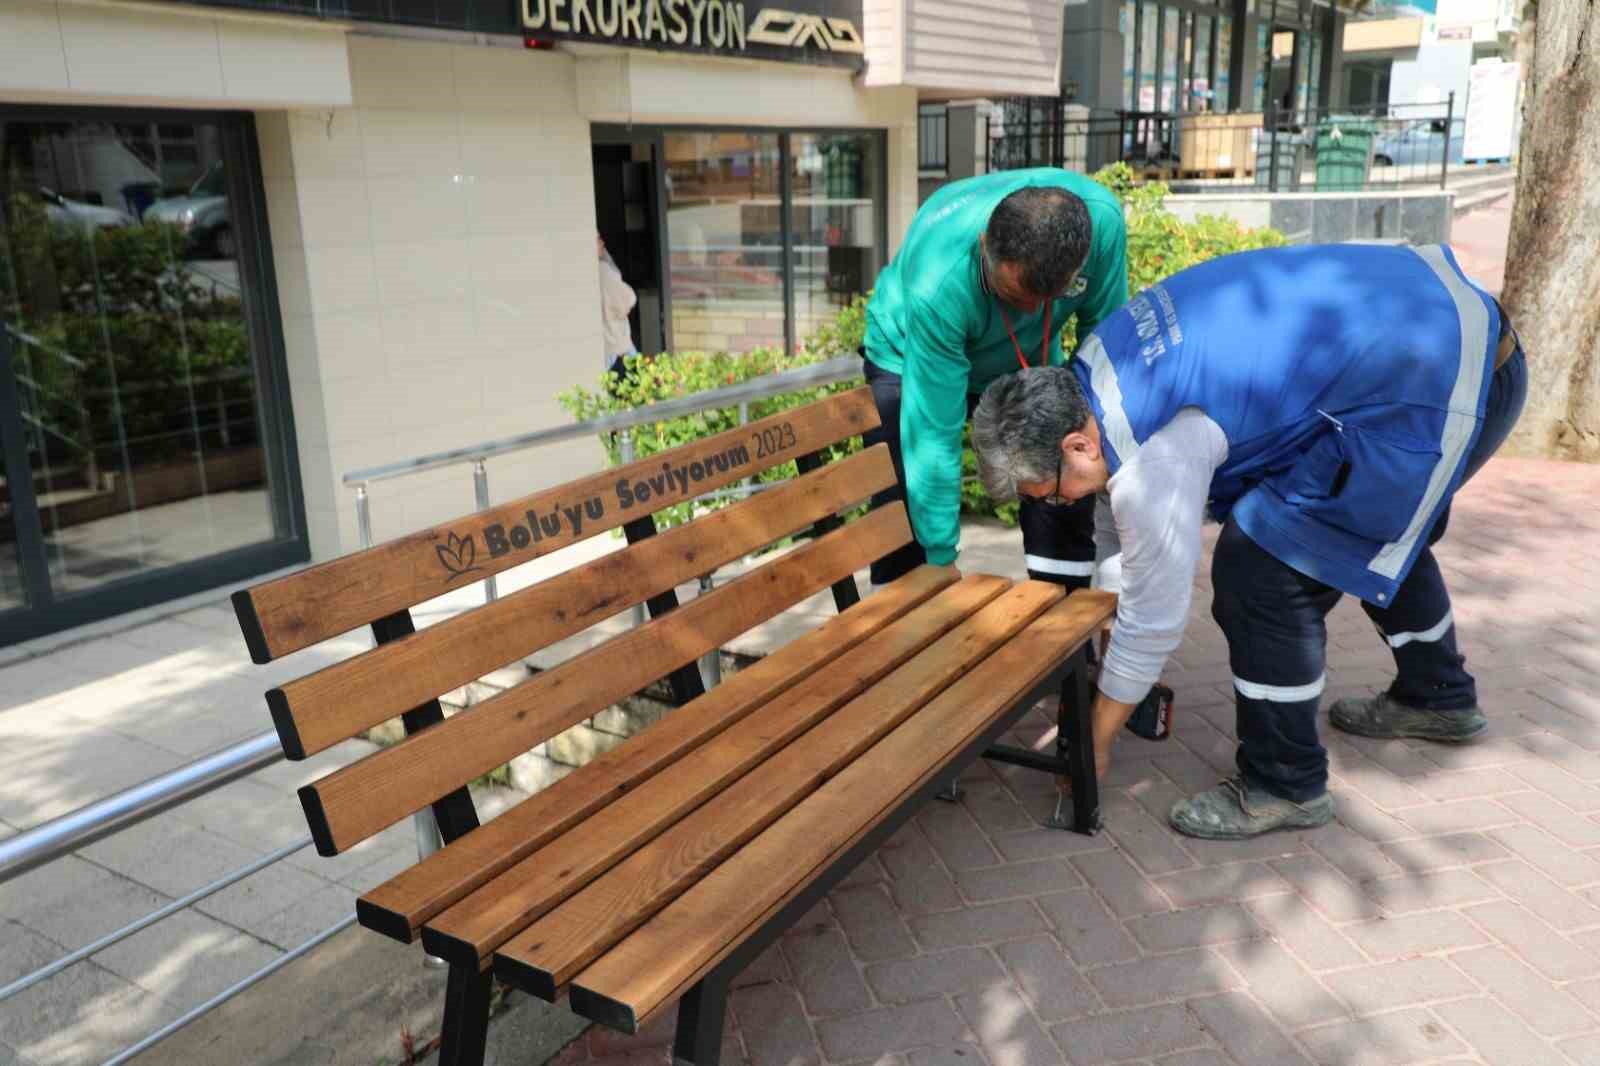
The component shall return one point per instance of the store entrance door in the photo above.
(626, 197)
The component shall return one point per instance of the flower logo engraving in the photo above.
(458, 555)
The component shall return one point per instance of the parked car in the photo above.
(1416, 142)
(202, 215)
(59, 209)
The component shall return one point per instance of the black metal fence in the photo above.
(1301, 150)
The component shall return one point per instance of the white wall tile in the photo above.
(272, 142)
(500, 145)
(425, 273)
(326, 143)
(515, 315)
(602, 86)
(300, 347)
(132, 52)
(501, 205)
(310, 414)
(521, 260)
(513, 80)
(340, 279)
(572, 196)
(393, 73)
(283, 212)
(32, 53)
(440, 394)
(358, 410)
(406, 210)
(419, 334)
(410, 143)
(252, 58)
(332, 212)
(294, 287)
(350, 347)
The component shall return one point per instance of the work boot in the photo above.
(1237, 810)
(1386, 718)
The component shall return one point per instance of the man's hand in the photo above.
(1106, 719)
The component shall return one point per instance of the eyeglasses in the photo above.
(1054, 499)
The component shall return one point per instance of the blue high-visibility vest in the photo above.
(1350, 381)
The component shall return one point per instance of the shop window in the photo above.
(732, 212)
(725, 240)
(135, 385)
(836, 190)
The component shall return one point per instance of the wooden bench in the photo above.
(656, 872)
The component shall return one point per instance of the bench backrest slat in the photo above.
(359, 800)
(323, 601)
(322, 709)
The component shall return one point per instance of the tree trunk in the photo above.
(1552, 286)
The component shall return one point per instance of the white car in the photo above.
(90, 216)
(202, 215)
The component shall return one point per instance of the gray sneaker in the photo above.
(1382, 717)
(1235, 810)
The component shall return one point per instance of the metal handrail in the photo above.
(228, 993)
(44, 973)
(825, 373)
(97, 820)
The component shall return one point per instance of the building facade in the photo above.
(1421, 57)
(247, 247)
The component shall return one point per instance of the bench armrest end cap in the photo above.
(255, 638)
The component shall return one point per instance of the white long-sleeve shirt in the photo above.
(616, 300)
(1147, 541)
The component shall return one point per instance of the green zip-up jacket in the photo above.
(932, 320)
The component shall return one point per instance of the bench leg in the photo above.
(466, 1017)
(1075, 743)
(702, 1014)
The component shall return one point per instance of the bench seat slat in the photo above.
(473, 928)
(656, 964)
(322, 709)
(400, 906)
(331, 598)
(352, 803)
(552, 950)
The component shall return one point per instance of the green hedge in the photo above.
(1159, 244)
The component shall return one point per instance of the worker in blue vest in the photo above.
(1324, 404)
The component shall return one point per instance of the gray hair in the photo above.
(1019, 425)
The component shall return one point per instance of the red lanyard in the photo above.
(1044, 344)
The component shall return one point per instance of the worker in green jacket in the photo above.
(989, 272)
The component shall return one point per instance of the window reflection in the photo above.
(834, 223)
(134, 379)
(725, 240)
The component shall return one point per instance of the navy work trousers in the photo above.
(1274, 619)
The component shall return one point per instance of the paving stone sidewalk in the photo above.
(1452, 914)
